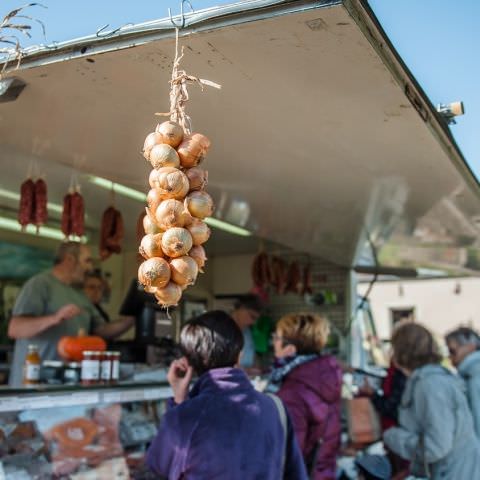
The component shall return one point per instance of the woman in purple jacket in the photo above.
(222, 428)
(309, 383)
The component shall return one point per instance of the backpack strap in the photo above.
(283, 420)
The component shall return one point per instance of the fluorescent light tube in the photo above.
(118, 188)
(55, 207)
(14, 226)
(140, 196)
(227, 227)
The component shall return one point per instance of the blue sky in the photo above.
(435, 38)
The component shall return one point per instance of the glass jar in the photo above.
(51, 372)
(72, 373)
(106, 367)
(31, 367)
(115, 371)
(90, 367)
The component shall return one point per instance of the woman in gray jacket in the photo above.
(464, 349)
(436, 429)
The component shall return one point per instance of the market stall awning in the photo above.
(322, 140)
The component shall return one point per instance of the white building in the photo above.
(441, 304)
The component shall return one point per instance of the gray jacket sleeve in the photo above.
(434, 412)
(473, 394)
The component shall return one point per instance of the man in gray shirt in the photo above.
(50, 307)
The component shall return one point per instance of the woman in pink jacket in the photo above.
(309, 383)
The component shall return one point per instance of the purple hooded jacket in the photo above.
(224, 430)
(312, 394)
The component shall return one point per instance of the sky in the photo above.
(435, 38)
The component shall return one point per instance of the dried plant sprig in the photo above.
(8, 22)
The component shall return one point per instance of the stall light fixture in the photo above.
(47, 232)
(140, 196)
(55, 207)
(118, 188)
(227, 227)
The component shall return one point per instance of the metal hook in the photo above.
(182, 14)
(113, 32)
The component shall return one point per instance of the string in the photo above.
(178, 90)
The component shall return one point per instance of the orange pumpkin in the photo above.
(72, 348)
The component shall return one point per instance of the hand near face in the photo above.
(179, 377)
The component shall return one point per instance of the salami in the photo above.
(77, 214)
(279, 275)
(294, 278)
(26, 213)
(307, 280)
(67, 215)
(111, 233)
(40, 213)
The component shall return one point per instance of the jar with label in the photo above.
(90, 367)
(115, 372)
(72, 373)
(51, 372)
(106, 367)
(31, 367)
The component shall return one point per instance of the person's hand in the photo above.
(365, 390)
(179, 376)
(67, 312)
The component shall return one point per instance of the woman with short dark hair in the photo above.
(222, 427)
(435, 432)
(464, 350)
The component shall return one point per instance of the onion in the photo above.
(184, 270)
(199, 231)
(192, 150)
(154, 272)
(199, 255)
(197, 178)
(172, 213)
(170, 295)
(151, 246)
(199, 204)
(154, 199)
(171, 132)
(150, 289)
(152, 139)
(170, 182)
(149, 224)
(176, 242)
(163, 155)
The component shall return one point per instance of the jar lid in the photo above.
(52, 363)
(89, 352)
(115, 353)
(73, 365)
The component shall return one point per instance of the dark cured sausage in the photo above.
(66, 215)
(294, 278)
(111, 233)
(261, 270)
(77, 215)
(307, 280)
(27, 203)
(41, 214)
(279, 275)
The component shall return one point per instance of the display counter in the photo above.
(79, 432)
